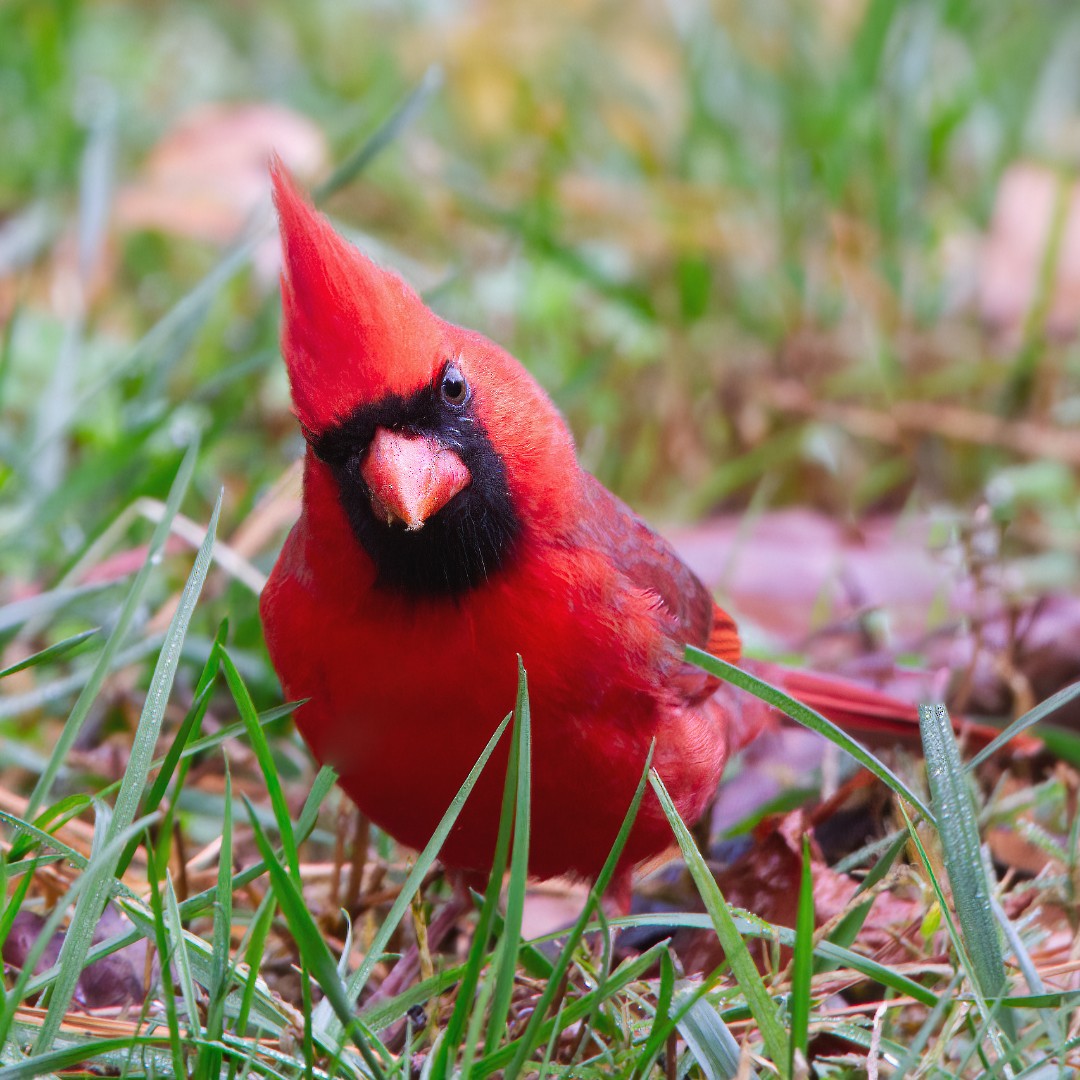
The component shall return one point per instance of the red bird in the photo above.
(446, 528)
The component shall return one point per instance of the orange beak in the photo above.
(411, 478)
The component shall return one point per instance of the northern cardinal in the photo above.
(446, 528)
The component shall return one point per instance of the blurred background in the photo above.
(806, 271)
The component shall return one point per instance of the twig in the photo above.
(905, 418)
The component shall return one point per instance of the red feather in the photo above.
(406, 687)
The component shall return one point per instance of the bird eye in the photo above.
(453, 388)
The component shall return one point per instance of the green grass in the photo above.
(672, 214)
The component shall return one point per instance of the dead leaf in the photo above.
(114, 980)
(766, 880)
(853, 599)
(204, 179)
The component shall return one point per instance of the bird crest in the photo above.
(352, 332)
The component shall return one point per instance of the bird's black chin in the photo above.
(462, 545)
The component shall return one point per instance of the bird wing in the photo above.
(649, 563)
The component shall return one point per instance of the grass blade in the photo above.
(802, 967)
(762, 1006)
(210, 1057)
(90, 881)
(180, 957)
(51, 653)
(70, 1056)
(532, 1037)
(384, 135)
(193, 906)
(910, 1058)
(662, 1020)
(959, 832)
(750, 926)
(92, 901)
(420, 868)
(570, 1013)
(161, 941)
(809, 718)
(712, 1044)
(265, 757)
(1051, 1025)
(1041, 712)
(11, 905)
(89, 693)
(312, 946)
(168, 339)
(175, 755)
(17, 613)
(986, 1009)
(450, 1043)
(519, 867)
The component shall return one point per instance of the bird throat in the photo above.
(463, 545)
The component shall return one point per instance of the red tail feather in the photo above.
(860, 709)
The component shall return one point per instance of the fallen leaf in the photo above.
(853, 600)
(204, 179)
(112, 981)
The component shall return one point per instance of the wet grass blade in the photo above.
(160, 939)
(174, 756)
(11, 904)
(210, 1058)
(168, 339)
(313, 948)
(420, 868)
(762, 1007)
(193, 906)
(17, 613)
(749, 926)
(712, 1044)
(668, 1016)
(1043, 711)
(963, 959)
(910, 1059)
(1049, 1020)
(41, 696)
(53, 652)
(662, 1019)
(253, 954)
(847, 929)
(71, 1056)
(265, 757)
(533, 1036)
(91, 903)
(450, 1044)
(175, 928)
(89, 693)
(92, 880)
(959, 831)
(570, 1013)
(809, 718)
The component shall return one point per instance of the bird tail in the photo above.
(861, 710)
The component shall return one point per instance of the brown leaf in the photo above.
(766, 880)
(114, 980)
(208, 174)
(808, 583)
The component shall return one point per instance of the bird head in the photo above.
(442, 447)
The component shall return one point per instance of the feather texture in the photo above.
(405, 679)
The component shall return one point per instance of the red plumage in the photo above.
(408, 664)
